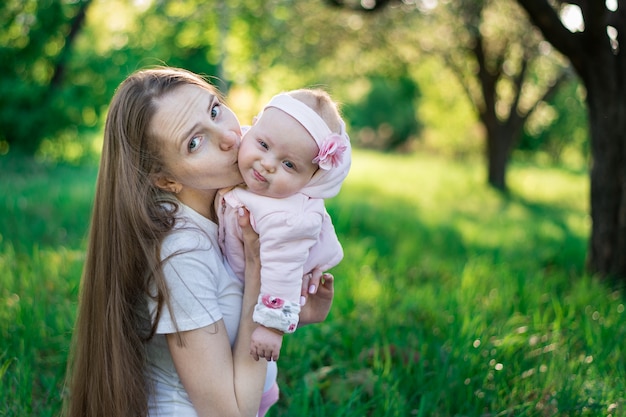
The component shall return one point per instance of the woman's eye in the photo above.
(194, 143)
(215, 110)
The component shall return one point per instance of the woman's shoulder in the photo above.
(192, 232)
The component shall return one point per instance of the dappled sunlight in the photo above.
(364, 286)
(573, 187)
(368, 287)
(453, 299)
(493, 283)
(69, 147)
(413, 178)
(448, 211)
(446, 288)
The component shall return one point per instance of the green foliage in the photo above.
(31, 46)
(559, 128)
(55, 88)
(386, 118)
(452, 299)
(451, 125)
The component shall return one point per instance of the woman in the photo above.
(160, 309)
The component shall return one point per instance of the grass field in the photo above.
(452, 299)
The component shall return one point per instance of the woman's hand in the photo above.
(318, 291)
(250, 237)
(251, 250)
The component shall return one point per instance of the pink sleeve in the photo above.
(327, 251)
(285, 241)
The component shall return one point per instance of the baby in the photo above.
(295, 155)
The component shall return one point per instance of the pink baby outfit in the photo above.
(296, 233)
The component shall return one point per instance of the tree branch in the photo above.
(487, 79)
(358, 6)
(547, 20)
(76, 25)
(464, 83)
(518, 80)
(549, 93)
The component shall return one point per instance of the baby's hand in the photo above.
(266, 343)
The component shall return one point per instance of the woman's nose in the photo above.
(228, 141)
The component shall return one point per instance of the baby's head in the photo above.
(297, 144)
(321, 103)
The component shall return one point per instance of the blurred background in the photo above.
(413, 75)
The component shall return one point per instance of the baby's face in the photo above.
(275, 155)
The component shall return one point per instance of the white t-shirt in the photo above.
(203, 290)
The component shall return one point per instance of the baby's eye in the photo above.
(263, 144)
(289, 164)
(194, 143)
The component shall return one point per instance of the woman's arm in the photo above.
(217, 383)
(221, 382)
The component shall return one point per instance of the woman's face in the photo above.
(199, 138)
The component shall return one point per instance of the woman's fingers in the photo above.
(310, 284)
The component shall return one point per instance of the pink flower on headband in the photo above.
(331, 151)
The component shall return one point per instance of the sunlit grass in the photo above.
(452, 299)
(480, 305)
(37, 302)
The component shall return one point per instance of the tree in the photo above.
(504, 70)
(597, 54)
(35, 48)
(62, 60)
(356, 57)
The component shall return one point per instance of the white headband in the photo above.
(331, 145)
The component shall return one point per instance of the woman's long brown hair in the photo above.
(130, 218)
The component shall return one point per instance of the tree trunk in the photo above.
(498, 151)
(607, 117)
(602, 67)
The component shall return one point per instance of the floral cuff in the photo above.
(276, 313)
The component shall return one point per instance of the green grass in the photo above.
(44, 214)
(452, 299)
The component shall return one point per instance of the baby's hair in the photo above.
(321, 102)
